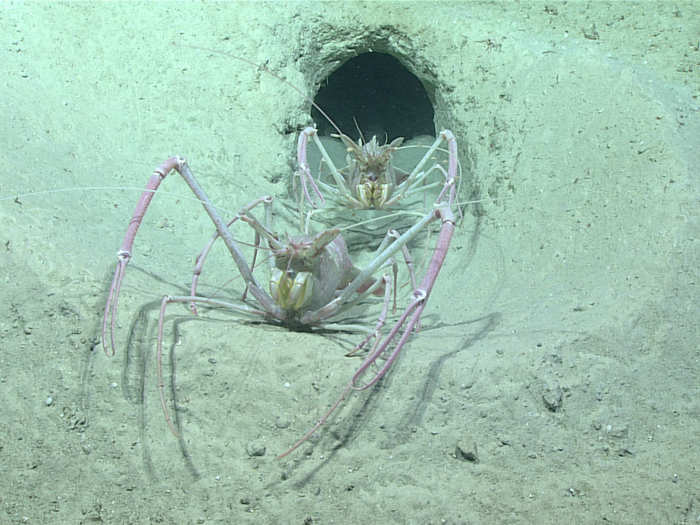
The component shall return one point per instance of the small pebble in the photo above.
(255, 448)
(553, 398)
(281, 422)
(466, 450)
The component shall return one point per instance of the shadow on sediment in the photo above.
(484, 325)
(414, 418)
(139, 364)
(345, 429)
(358, 411)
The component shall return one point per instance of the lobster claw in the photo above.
(291, 293)
(372, 194)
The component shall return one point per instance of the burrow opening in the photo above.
(378, 93)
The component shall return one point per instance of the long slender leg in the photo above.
(203, 254)
(408, 185)
(244, 309)
(255, 289)
(339, 179)
(305, 172)
(365, 275)
(124, 254)
(382, 317)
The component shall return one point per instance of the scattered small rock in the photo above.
(282, 422)
(553, 398)
(617, 431)
(255, 449)
(466, 451)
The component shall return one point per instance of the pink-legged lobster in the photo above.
(312, 277)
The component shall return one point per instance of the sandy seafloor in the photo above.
(575, 289)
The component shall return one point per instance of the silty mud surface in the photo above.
(557, 370)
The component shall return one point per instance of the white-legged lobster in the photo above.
(370, 180)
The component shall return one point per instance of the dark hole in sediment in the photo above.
(378, 92)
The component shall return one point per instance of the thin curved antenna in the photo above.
(269, 72)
